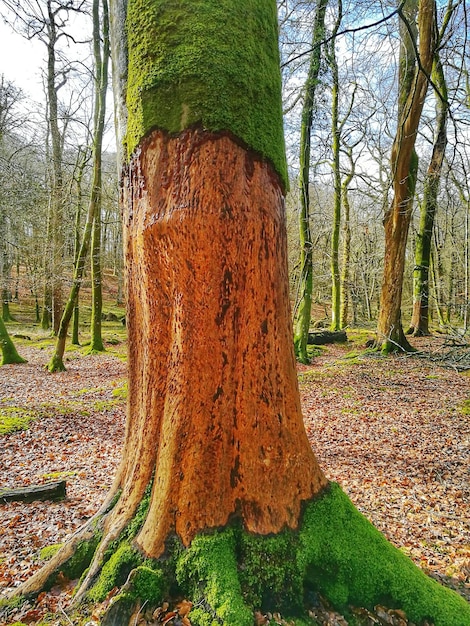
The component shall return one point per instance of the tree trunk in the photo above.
(9, 353)
(346, 255)
(56, 364)
(413, 85)
(216, 468)
(419, 325)
(335, 146)
(96, 344)
(82, 159)
(57, 191)
(304, 307)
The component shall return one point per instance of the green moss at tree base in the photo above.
(9, 352)
(228, 573)
(187, 67)
(56, 364)
(115, 571)
(349, 561)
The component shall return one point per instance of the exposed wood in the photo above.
(31, 493)
(211, 259)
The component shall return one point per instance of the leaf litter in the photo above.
(390, 430)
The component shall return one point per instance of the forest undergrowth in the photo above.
(393, 431)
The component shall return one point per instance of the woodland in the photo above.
(196, 202)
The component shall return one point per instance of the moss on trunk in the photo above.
(181, 82)
(9, 352)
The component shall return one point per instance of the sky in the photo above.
(21, 62)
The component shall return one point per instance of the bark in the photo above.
(82, 159)
(96, 344)
(304, 308)
(346, 253)
(6, 315)
(56, 235)
(419, 325)
(413, 88)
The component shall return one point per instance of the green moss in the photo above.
(210, 63)
(115, 571)
(465, 407)
(209, 568)
(7, 347)
(336, 552)
(15, 418)
(121, 392)
(133, 528)
(12, 603)
(81, 559)
(147, 583)
(56, 364)
(350, 562)
(48, 552)
(59, 475)
(269, 574)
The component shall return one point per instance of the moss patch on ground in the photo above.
(14, 418)
(187, 67)
(48, 552)
(465, 407)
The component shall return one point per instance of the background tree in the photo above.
(46, 20)
(304, 305)
(9, 121)
(9, 352)
(420, 318)
(101, 56)
(413, 84)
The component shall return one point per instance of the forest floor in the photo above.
(393, 431)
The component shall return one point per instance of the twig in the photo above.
(65, 614)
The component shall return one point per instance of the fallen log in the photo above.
(49, 491)
(326, 336)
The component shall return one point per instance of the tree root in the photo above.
(229, 573)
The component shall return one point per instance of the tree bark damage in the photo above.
(217, 287)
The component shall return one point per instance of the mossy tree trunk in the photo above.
(346, 252)
(339, 276)
(216, 469)
(419, 325)
(413, 85)
(96, 338)
(5, 265)
(101, 57)
(56, 230)
(336, 128)
(82, 159)
(304, 306)
(9, 352)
